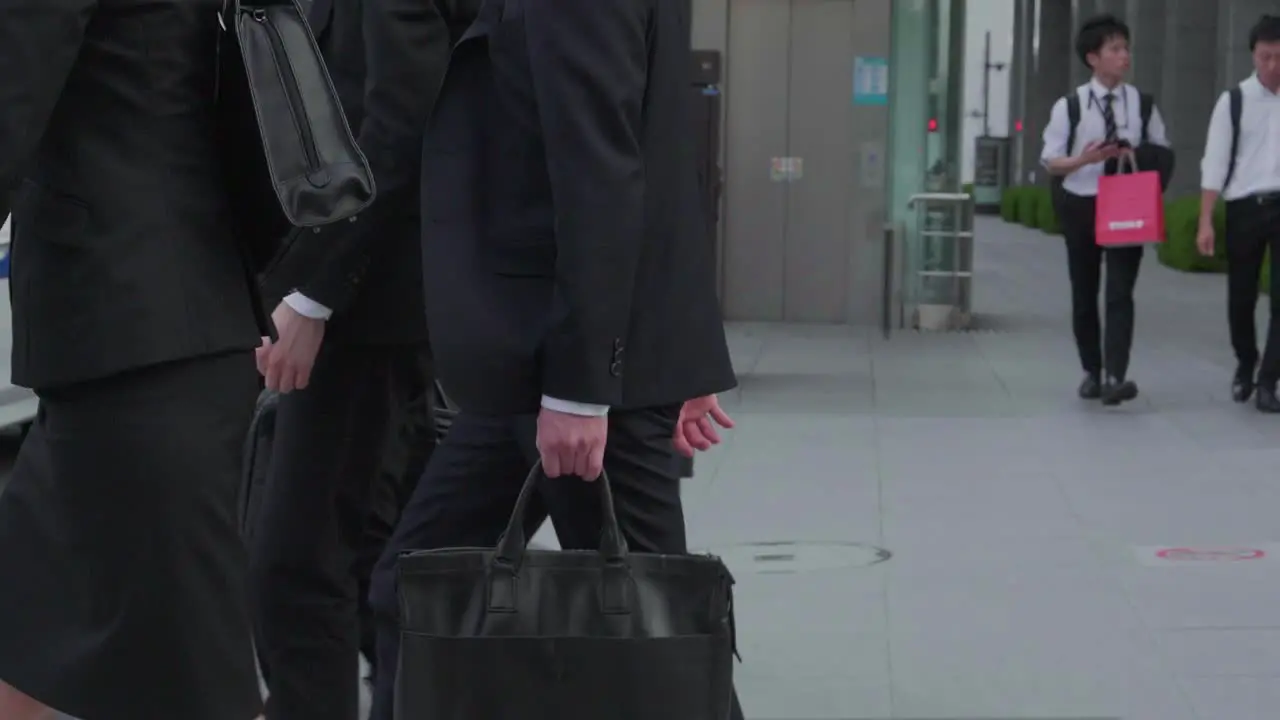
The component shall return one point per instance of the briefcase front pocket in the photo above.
(499, 678)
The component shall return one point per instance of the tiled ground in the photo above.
(1025, 527)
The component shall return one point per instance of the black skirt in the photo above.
(122, 572)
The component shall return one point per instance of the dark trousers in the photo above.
(409, 446)
(470, 487)
(1253, 227)
(314, 520)
(1100, 350)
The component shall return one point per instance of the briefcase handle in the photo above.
(511, 546)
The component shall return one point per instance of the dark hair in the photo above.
(1266, 30)
(1096, 32)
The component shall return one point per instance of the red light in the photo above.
(1017, 125)
(933, 125)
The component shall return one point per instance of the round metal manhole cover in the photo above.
(789, 557)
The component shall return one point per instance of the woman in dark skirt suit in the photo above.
(122, 574)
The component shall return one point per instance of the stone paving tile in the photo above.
(1014, 513)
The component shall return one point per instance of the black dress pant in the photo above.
(410, 442)
(1100, 350)
(305, 567)
(1253, 227)
(470, 487)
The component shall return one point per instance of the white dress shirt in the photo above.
(307, 307)
(1258, 156)
(1127, 108)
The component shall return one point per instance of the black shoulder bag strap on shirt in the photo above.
(1146, 104)
(1056, 190)
(1073, 119)
(1237, 109)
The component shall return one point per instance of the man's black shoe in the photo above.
(1090, 387)
(1267, 401)
(1116, 391)
(1242, 384)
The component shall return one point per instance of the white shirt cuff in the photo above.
(570, 407)
(307, 307)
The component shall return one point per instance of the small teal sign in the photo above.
(870, 80)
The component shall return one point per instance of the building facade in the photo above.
(834, 113)
(1185, 53)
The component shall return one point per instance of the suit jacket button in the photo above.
(615, 368)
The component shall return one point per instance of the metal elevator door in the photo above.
(790, 165)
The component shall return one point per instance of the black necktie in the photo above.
(1109, 116)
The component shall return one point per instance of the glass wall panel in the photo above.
(926, 130)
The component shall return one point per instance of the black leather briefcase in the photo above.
(514, 632)
(290, 158)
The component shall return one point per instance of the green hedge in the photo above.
(1181, 223)
(1009, 204)
(1030, 205)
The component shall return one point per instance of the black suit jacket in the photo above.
(386, 58)
(564, 249)
(123, 256)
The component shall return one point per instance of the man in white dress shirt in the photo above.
(1111, 118)
(1242, 166)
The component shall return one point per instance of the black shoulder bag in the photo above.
(290, 160)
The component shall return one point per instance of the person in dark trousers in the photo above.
(570, 289)
(349, 359)
(1241, 165)
(1110, 125)
(404, 457)
(135, 319)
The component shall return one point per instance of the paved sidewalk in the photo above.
(1025, 526)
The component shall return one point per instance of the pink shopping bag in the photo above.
(1130, 210)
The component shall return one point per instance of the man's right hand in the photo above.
(695, 430)
(1097, 151)
(1205, 240)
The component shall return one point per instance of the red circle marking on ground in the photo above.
(1211, 554)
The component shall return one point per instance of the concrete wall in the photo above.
(1049, 78)
(1147, 24)
(1234, 20)
(1189, 85)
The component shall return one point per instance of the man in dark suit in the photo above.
(570, 290)
(349, 359)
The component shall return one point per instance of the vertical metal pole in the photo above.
(986, 87)
(886, 316)
(957, 219)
